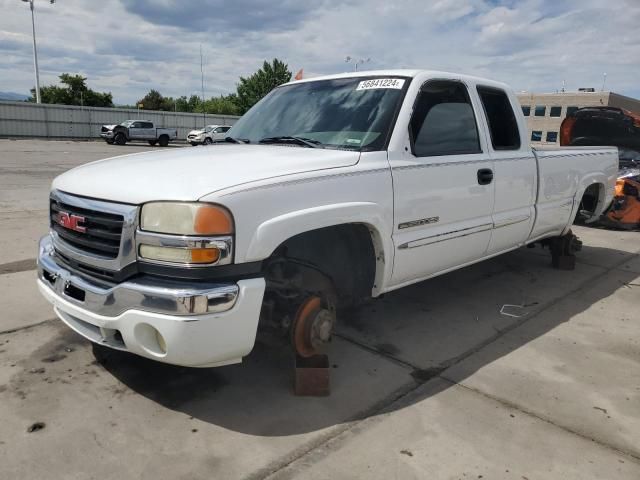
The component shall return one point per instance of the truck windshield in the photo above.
(126, 123)
(347, 113)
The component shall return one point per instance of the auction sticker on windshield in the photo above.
(396, 83)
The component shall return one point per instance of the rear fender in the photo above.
(604, 199)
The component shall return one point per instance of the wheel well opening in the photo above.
(344, 253)
(590, 199)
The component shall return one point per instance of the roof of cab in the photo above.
(405, 73)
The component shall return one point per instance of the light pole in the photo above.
(204, 113)
(357, 62)
(35, 50)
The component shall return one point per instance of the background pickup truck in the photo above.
(328, 192)
(137, 130)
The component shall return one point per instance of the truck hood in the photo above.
(109, 127)
(195, 132)
(190, 173)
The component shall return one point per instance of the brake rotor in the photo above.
(312, 327)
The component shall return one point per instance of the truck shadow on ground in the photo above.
(403, 340)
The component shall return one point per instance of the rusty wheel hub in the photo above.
(312, 328)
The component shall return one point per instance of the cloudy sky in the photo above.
(130, 46)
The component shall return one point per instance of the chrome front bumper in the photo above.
(158, 296)
(181, 323)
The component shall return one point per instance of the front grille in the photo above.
(92, 272)
(103, 231)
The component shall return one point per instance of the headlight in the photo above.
(185, 233)
(186, 219)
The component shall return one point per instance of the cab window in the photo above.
(503, 125)
(443, 122)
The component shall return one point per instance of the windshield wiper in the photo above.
(236, 140)
(305, 142)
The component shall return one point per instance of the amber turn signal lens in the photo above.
(205, 255)
(210, 220)
(180, 255)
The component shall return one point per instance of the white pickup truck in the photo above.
(327, 192)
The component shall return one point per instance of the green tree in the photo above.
(153, 101)
(253, 88)
(222, 105)
(74, 91)
(182, 104)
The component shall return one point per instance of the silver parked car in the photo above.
(209, 134)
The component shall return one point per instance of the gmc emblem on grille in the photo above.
(72, 222)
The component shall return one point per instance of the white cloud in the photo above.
(531, 44)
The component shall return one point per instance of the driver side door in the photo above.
(443, 189)
(136, 131)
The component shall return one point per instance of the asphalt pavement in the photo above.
(434, 381)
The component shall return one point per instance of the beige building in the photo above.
(545, 111)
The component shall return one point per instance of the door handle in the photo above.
(485, 176)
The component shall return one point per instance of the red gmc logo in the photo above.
(72, 222)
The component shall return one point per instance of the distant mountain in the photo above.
(13, 97)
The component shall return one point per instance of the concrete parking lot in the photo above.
(429, 382)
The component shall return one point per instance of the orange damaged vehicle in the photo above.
(600, 126)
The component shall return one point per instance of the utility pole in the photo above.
(204, 115)
(35, 50)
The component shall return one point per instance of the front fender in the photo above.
(273, 232)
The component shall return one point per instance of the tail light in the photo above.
(565, 130)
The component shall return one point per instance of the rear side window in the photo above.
(147, 125)
(443, 122)
(502, 121)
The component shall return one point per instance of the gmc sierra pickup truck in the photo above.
(137, 130)
(327, 192)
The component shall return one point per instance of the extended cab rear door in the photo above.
(443, 189)
(515, 170)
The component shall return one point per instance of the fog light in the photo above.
(180, 255)
(150, 339)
